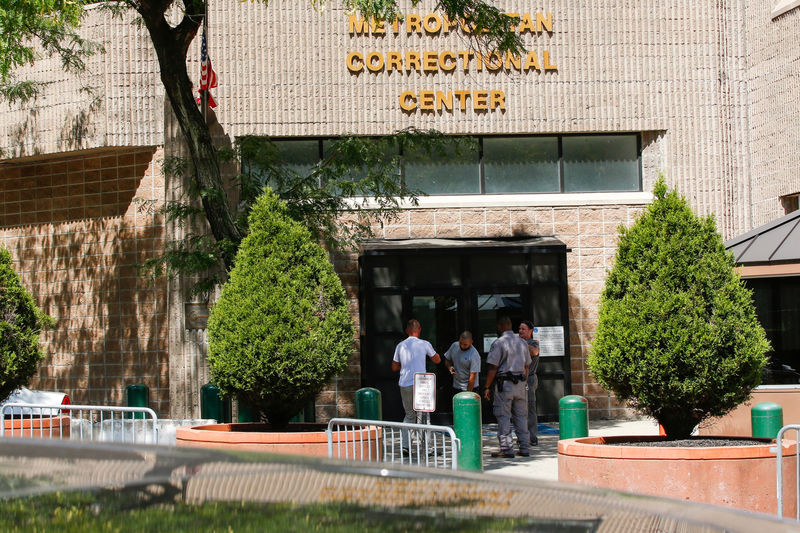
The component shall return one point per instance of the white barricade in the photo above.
(393, 442)
(135, 425)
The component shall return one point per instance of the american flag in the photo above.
(208, 78)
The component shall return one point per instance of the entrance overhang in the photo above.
(513, 244)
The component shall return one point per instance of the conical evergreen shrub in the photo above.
(21, 321)
(281, 327)
(678, 337)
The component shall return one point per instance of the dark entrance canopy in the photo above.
(762, 251)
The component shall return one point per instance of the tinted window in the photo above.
(299, 156)
(777, 302)
(520, 164)
(454, 172)
(600, 163)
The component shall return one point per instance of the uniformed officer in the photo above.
(526, 334)
(508, 363)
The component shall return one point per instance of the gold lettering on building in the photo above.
(435, 24)
(481, 100)
(447, 61)
(429, 62)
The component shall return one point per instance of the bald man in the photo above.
(409, 359)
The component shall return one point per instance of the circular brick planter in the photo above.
(304, 439)
(743, 477)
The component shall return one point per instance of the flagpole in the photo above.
(205, 35)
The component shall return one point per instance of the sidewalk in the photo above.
(543, 462)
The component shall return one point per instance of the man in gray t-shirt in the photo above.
(464, 363)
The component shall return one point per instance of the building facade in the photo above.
(570, 139)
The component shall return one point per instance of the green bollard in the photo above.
(137, 396)
(246, 413)
(467, 424)
(573, 417)
(212, 405)
(766, 419)
(368, 404)
(306, 415)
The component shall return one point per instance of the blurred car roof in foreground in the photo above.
(145, 477)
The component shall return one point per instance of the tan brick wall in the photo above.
(774, 83)
(76, 236)
(678, 67)
(116, 101)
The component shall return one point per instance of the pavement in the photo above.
(543, 462)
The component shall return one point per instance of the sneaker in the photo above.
(507, 455)
(534, 441)
(524, 454)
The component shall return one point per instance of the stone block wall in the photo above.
(76, 234)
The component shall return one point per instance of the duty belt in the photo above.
(508, 376)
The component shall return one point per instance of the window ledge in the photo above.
(589, 199)
(783, 6)
(534, 200)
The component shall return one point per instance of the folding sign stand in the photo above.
(425, 394)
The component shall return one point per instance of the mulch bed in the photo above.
(693, 443)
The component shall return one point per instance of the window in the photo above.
(299, 155)
(601, 163)
(777, 302)
(520, 164)
(457, 171)
(789, 203)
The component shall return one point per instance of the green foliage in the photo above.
(86, 512)
(356, 188)
(30, 30)
(21, 321)
(677, 337)
(491, 27)
(281, 327)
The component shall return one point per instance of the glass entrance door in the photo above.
(489, 306)
(440, 316)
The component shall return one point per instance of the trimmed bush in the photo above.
(678, 337)
(281, 327)
(21, 321)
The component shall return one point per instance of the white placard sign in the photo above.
(425, 392)
(487, 342)
(551, 340)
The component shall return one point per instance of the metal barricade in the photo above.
(393, 442)
(132, 425)
(779, 468)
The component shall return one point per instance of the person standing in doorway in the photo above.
(409, 359)
(464, 363)
(526, 334)
(508, 363)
